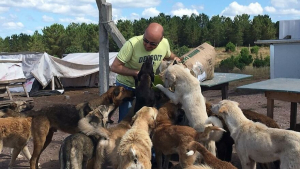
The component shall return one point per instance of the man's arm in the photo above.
(118, 67)
(173, 57)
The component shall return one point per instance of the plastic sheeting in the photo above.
(44, 67)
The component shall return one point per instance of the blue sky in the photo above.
(26, 16)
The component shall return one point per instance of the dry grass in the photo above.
(258, 73)
(221, 54)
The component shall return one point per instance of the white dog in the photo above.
(255, 142)
(134, 150)
(188, 93)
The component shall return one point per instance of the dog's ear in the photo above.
(223, 109)
(175, 62)
(13, 106)
(116, 91)
(172, 77)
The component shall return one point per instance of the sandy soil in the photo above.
(49, 158)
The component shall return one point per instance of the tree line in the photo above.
(183, 32)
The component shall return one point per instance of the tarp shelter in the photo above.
(80, 69)
(92, 79)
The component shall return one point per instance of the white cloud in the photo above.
(12, 25)
(285, 4)
(150, 12)
(179, 10)
(3, 9)
(134, 3)
(270, 9)
(236, 9)
(199, 7)
(77, 20)
(134, 16)
(47, 18)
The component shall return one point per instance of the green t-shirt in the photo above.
(133, 54)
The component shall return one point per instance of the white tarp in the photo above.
(91, 80)
(11, 71)
(44, 67)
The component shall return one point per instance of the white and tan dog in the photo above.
(134, 150)
(188, 93)
(255, 142)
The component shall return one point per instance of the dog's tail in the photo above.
(209, 134)
(215, 135)
(88, 129)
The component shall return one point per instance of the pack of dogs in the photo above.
(175, 119)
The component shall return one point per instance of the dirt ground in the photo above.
(255, 101)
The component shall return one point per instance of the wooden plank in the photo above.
(103, 48)
(283, 96)
(13, 81)
(270, 108)
(293, 117)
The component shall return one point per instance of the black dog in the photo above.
(145, 95)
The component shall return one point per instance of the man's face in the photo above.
(150, 43)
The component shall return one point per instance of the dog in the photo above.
(255, 142)
(80, 148)
(15, 133)
(145, 95)
(208, 158)
(106, 150)
(188, 93)
(65, 118)
(169, 139)
(134, 150)
(225, 144)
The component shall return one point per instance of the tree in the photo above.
(203, 21)
(54, 37)
(215, 30)
(126, 28)
(36, 43)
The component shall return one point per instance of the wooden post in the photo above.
(106, 25)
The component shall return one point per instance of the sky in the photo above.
(27, 16)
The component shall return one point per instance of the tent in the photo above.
(78, 69)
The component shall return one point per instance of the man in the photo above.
(132, 55)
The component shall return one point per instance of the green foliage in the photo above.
(189, 31)
(254, 50)
(180, 51)
(227, 64)
(244, 59)
(230, 47)
(260, 62)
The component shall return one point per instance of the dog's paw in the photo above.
(190, 153)
(159, 86)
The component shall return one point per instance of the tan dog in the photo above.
(107, 150)
(208, 158)
(169, 139)
(187, 91)
(78, 150)
(65, 118)
(255, 142)
(15, 133)
(134, 150)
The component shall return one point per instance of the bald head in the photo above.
(154, 31)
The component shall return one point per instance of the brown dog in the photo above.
(15, 133)
(107, 149)
(172, 139)
(208, 158)
(134, 150)
(65, 118)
